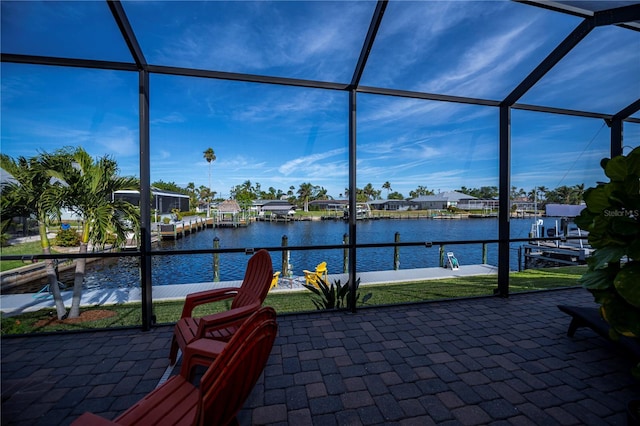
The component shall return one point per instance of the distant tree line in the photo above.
(247, 192)
(560, 195)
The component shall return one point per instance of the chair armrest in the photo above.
(90, 419)
(202, 297)
(200, 352)
(225, 319)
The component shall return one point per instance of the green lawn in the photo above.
(29, 248)
(382, 294)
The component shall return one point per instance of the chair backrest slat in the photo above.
(257, 280)
(227, 383)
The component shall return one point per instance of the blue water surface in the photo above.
(180, 269)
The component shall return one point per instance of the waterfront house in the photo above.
(331, 205)
(161, 200)
(442, 201)
(392, 205)
(277, 207)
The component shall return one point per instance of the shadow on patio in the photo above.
(472, 361)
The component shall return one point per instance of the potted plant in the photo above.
(612, 218)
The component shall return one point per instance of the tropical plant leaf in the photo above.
(633, 251)
(622, 317)
(605, 255)
(586, 219)
(616, 168)
(627, 283)
(312, 289)
(332, 296)
(634, 161)
(596, 280)
(601, 296)
(597, 199)
(625, 224)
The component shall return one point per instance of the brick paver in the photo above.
(462, 362)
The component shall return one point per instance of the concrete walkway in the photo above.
(12, 304)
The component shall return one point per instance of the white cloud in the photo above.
(482, 68)
(171, 118)
(311, 162)
(294, 38)
(119, 141)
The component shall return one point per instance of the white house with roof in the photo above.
(277, 207)
(441, 201)
(331, 205)
(399, 205)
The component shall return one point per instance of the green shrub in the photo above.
(67, 238)
(177, 213)
(333, 296)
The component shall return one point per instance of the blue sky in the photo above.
(281, 136)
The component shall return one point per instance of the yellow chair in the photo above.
(321, 272)
(274, 281)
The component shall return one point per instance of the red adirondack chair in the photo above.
(247, 299)
(223, 389)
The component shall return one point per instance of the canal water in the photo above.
(181, 269)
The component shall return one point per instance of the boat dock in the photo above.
(13, 304)
(183, 227)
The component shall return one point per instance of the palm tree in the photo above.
(290, 197)
(304, 192)
(193, 201)
(202, 191)
(387, 186)
(210, 156)
(88, 192)
(32, 192)
(369, 191)
(542, 190)
(564, 193)
(516, 193)
(419, 191)
(322, 194)
(272, 194)
(577, 193)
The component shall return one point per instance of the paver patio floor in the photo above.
(461, 362)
